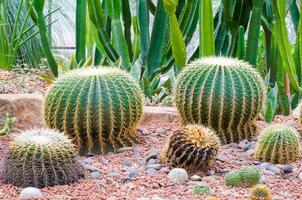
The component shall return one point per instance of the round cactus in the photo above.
(278, 144)
(233, 179)
(40, 158)
(202, 189)
(192, 147)
(260, 192)
(99, 108)
(250, 175)
(225, 94)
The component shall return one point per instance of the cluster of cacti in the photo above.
(202, 189)
(192, 147)
(225, 94)
(40, 158)
(278, 144)
(99, 108)
(248, 175)
(260, 192)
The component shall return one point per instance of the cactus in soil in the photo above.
(233, 178)
(99, 108)
(192, 147)
(225, 94)
(260, 192)
(278, 144)
(40, 158)
(202, 190)
(250, 175)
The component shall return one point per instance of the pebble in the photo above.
(226, 170)
(137, 150)
(143, 131)
(287, 169)
(233, 145)
(264, 165)
(153, 151)
(133, 174)
(165, 170)
(88, 160)
(153, 161)
(154, 166)
(30, 193)
(127, 162)
(195, 178)
(160, 131)
(151, 171)
(210, 173)
(178, 175)
(274, 169)
(125, 149)
(95, 175)
(243, 144)
(247, 153)
(300, 176)
(113, 174)
(101, 182)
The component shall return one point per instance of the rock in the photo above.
(88, 160)
(151, 171)
(256, 162)
(226, 170)
(287, 169)
(300, 176)
(233, 145)
(264, 165)
(262, 180)
(165, 170)
(143, 131)
(195, 178)
(154, 166)
(137, 151)
(26, 108)
(125, 149)
(178, 175)
(101, 182)
(153, 161)
(247, 153)
(159, 113)
(113, 174)
(95, 175)
(210, 173)
(160, 131)
(243, 144)
(30, 193)
(274, 169)
(154, 151)
(126, 180)
(127, 162)
(252, 145)
(133, 174)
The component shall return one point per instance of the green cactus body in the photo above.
(202, 190)
(192, 147)
(278, 144)
(99, 108)
(250, 175)
(233, 179)
(40, 158)
(225, 94)
(260, 192)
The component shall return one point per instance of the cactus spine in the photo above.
(278, 144)
(225, 94)
(260, 192)
(192, 147)
(40, 158)
(99, 108)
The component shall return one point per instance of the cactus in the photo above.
(250, 175)
(233, 178)
(202, 189)
(260, 192)
(278, 144)
(225, 94)
(191, 147)
(99, 108)
(40, 158)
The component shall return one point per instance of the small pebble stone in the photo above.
(300, 176)
(125, 149)
(113, 174)
(210, 173)
(144, 131)
(30, 193)
(153, 161)
(195, 178)
(243, 144)
(264, 165)
(165, 170)
(287, 169)
(274, 169)
(178, 175)
(101, 182)
(151, 171)
(127, 162)
(95, 175)
(153, 151)
(133, 174)
(154, 166)
(137, 150)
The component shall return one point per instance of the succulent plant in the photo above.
(278, 144)
(225, 94)
(260, 192)
(99, 108)
(192, 147)
(233, 178)
(40, 158)
(202, 189)
(250, 175)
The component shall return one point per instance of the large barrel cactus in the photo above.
(40, 158)
(191, 147)
(225, 94)
(278, 144)
(99, 108)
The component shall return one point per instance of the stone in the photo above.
(274, 169)
(178, 175)
(153, 161)
(125, 149)
(153, 151)
(137, 151)
(165, 170)
(127, 162)
(113, 174)
(160, 131)
(30, 193)
(133, 174)
(154, 166)
(88, 160)
(264, 165)
(300, 176)
(195, 178)
(144, 131)
(101, 182)
(247, 153)
(157, 113)
(243, 144)
(151, 171)
(95, 175)
(210, 173)
(287, 169)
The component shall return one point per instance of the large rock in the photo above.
(26, 108)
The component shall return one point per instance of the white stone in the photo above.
(30, 193)
(178, 175)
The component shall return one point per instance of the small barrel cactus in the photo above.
(260, 192)
(202, 190)
(99, 108)
(40, 158)
(225, 94)
(192, 147)
(278, 144)
(250, 175)
(233, 178)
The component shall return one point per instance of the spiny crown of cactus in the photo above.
(233, 178)
(250, 175)
(99, 108)
(225, 94)
(260, 192)
(192, 147)
(278, 144)
(40, 158)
